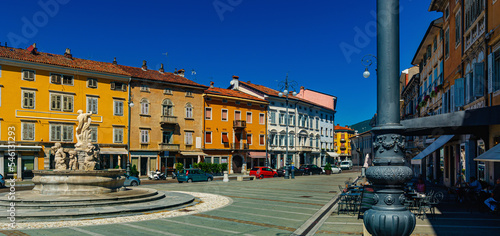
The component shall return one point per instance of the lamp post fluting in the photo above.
(388, 216)
(286, 86)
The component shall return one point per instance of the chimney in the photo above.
(212, 84)
(32, 48)
(115, 62)
(235, 82)
(67, 54)
(181, 72)
(144, 66)
(161, 70)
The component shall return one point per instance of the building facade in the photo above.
(234, 129)
(166, 118)
(41, 95)
(342, 145)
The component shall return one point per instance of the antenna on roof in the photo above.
(166, 63)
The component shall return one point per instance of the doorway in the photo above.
(237, 163)
(144, 166)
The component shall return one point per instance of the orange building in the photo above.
(235, 129)
(342, 143)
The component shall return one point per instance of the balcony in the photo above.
(168, 147)
(168, 120)
(239, 124)
(239, 146)
(304, 148)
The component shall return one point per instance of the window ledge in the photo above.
(189, 118)
(144, 115)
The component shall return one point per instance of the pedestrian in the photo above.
(492, 202)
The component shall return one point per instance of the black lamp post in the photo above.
(388, 216)
(286, 86)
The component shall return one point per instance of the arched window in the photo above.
(144, 106)
(291, 139)
(168, 108)
(189, 110)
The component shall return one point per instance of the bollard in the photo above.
(226, 178)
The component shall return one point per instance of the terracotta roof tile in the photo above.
(156, 75)
(59, 60)
(338, 127)
(232, 93)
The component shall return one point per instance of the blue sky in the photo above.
(260, 41)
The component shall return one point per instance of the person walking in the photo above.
(492, 202)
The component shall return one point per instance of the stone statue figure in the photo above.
(83, 130)
(90, 158)
(60, 157)
(73, 160)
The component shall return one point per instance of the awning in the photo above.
(20, 148)
(332, 154)
(257, 154)
(491, 155)
(417, 160)
(193, 154)
(122, 151)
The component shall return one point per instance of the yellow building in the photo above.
(167, 120)
(40, 95)
(235, 128)
(342, 142)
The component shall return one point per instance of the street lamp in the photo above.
(130, 105)
(285, 86)
(367, 61)
(388, 215)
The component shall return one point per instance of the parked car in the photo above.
(131, 181)
(346, 165)
(335, 169)
(193, 175)
(281, 172)
(263, 172)
(310, 169)
(2, 181)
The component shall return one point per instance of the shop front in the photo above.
(144, 161)
(19, 161)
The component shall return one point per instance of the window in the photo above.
(262, 139)
(447, 43)
(58, 101)
(144, 107)
(168, 108)
(237, 115)
(0, 71)
(262, 118)
(189, 111)
(435, 43)
(224, 115)
(117, 135)
(55, 78)
(331, 132)
(494, 66)
(249, 104)
(29, 99)
(282, 140)
(118, 86)
(28, 131)
(272, 115)
(92, 105)
(167, 137)
(92, 83)
(457, 28)
(249, 117)
(208, 113)
(29, 75)
(61, 132)
(144, 136)
(237, 102)
(291, 120)
(93, 134)
(208, 137)
(225, 138)
(447, 12)
(224, 100)
(144, 88)
(67, 80)
(188, 138)
(118, 108)
(167, 91)
(249, 139)
(189, 93)
(291, 140)
(282, 118)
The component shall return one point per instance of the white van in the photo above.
(346, 165)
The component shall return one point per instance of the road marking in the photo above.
(252, 214)
(247, 222)
(148, 229)
(201, 226)
(85, 231)
(267, 209)
(263, 204)
(273, 200)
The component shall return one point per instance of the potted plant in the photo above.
(328, 169)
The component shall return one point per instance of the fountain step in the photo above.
(169, 201)
(61, 204)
